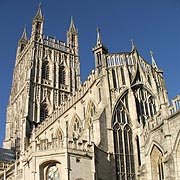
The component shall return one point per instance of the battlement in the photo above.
(57, 44)
(175, 105)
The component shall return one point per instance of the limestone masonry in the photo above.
(117, 125)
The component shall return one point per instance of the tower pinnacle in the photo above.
(99, 41)
(154, 65)
(39, 15)
(24, 34)
(72, 26)
(133, 45)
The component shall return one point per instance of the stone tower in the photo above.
(46, 72)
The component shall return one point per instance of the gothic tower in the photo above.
(46, 72)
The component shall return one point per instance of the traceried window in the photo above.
(123, 144)
(59, 135)
(45, 70)
(53, 173)
(77, 129)
(62, 74)
(43, 112)
(114, 78)
(145, 104)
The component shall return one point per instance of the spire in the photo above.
(72, 26)
(133, 45)
(39, 15)
(99, 41)
(154, 65)
(24, 36)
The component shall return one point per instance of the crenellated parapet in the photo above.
(175, 106)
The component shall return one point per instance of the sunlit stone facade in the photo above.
(117, 125)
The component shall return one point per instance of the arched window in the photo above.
(53, 173)
(145, 104)
(123, 144)
(77, 128)
(45, 70)
(59, 135)
(62, 74)
(43, 112)
(156, 163)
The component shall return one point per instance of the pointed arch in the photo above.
(76, 127)
(45, 70)
(44, 111)
(157, 170)
(62, 74)
(50, 170)
(123, 140)
(90, 111)
(59, 134)
(145, 103)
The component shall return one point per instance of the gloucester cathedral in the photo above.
(117, 125)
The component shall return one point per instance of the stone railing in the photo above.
(72, 100)
(52, 42)
(175, 105)
(75, 144)
(47, 145)
(81, 145)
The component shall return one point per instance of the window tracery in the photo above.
(145, 104)
(43, 112)
(45, 70)
(53, 173)
(123, 144)
(59, 135)
(62, 74)
(77, 129)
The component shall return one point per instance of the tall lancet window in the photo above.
(123, 143)
(45, 70)
(43, 112)
(145, 104)
(62, 73)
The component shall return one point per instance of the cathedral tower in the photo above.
(45, 74)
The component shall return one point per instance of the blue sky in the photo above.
(153, 24)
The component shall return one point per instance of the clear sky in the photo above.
(153, 24)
